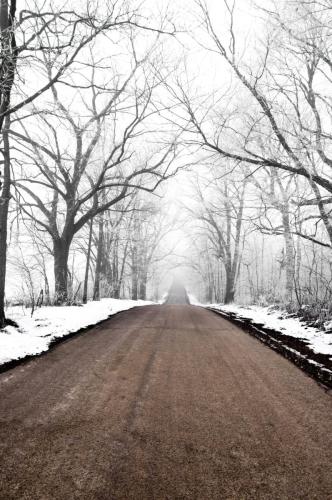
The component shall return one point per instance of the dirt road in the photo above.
(164, 402)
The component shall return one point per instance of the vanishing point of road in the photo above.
(163, 402)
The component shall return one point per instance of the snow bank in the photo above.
(35, 334)
(318, 340)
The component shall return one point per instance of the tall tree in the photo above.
(60, 39)
(8, 52)
(220, 211)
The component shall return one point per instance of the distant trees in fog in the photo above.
(272, 125)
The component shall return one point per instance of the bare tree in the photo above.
(4, 206)
(286, 128)
(87, 266)
(150, 228)
(59, 38)
(8, 50)
(85, 185)
(220, 212)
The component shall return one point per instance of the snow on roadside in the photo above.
(318, 340)
(35, 334)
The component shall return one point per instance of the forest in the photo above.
(144, 140)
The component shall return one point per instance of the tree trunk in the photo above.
(289, 256)
(96, 288)
(47, 291)
(143, 285)
(209, 293)
(4, 205)
(134, 287)
(86, 276)
(61, 253)
(117, 289)
(134, 274)
(7, 74)
(230, 287)
(209, 285)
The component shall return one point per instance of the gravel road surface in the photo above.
(164, 402)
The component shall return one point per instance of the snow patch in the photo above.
(35, 334)
(318, 340)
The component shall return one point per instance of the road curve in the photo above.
(164, 402)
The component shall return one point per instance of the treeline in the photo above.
(98, 110)
(116, 255)
(81, 145)
(263, 205)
